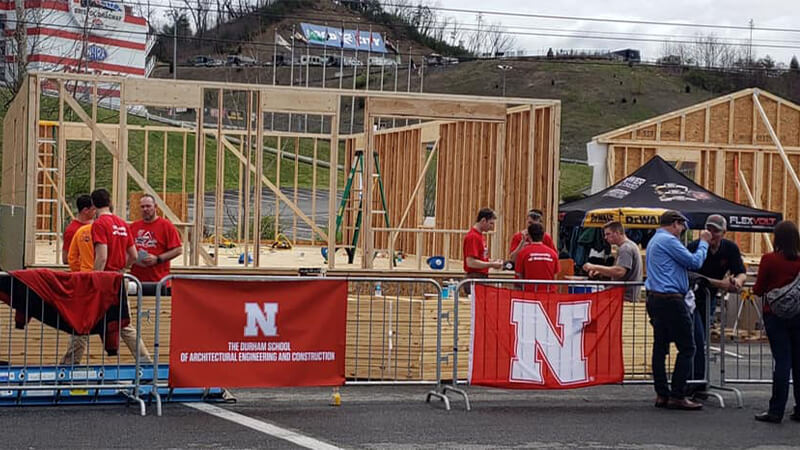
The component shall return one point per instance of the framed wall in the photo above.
(238, 155)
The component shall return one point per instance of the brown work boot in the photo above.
(683, 404)
(661, 401)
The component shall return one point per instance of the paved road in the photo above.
(231, 207)
(389, 417)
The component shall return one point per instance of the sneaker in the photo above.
(795, 416)
(661, 401)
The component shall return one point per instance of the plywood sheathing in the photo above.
(12, 189)
(789, 126)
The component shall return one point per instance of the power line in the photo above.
(508, 31)
(762, 43)
(598, 19)
(266, 14)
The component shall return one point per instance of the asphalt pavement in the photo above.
(230, 208)
(398, 417)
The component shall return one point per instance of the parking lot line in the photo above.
(263, 427)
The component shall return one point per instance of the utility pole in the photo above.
(175, 46)
(750, 45)
(504, 68)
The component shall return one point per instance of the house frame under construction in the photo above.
(454, 153)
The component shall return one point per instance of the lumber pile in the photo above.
(390, 338)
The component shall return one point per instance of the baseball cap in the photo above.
(670, 216)
(717, 221)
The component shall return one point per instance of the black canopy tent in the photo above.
(639, 199)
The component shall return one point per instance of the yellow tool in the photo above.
(282, 242)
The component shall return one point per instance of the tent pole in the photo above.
(752, 200)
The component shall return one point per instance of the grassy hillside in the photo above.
(79, 154)
(596, 97)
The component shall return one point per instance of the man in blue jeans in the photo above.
(667, 284)
(723, 270)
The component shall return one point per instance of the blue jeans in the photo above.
(699, 362)
(671, 322)
(784, 341)
(700, 300)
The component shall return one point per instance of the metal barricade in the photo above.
(637, 337)
(47, 366)
(393, 331)
(745, 355)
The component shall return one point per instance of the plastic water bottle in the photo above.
(378, 290)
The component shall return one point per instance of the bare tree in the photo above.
(24, 44)
(497, 40)
(199, 11)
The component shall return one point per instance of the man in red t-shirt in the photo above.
(158, 238)
(521, 239)
(85, 216)
(476, 253)
(537, 261)
(113, 245)
(113, 251)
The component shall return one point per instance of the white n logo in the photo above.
(265, 320)
(537, 340)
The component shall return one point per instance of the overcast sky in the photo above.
(765, 13)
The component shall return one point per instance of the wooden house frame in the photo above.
(496, 152)
(744, 146)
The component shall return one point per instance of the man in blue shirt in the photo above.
(667, 284)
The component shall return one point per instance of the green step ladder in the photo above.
(358, 168)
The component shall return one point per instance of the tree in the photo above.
(793, 65)
(22, 44)
(497, 40)
(766, 62)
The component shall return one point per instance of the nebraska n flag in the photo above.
(532, 340)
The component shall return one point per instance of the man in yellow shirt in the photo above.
(81, 250)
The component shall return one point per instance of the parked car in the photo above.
(204, 61)
(378, 61)
(239, 60)
(312, 60)
(350, 61)
(435, 59)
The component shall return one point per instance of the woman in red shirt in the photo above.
(778, 269)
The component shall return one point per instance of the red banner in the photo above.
(531, 340)
(257, 334)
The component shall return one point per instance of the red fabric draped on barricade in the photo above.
(531, 340)
(79, 302)
(257, 334)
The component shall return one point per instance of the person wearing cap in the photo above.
(667, 285)
(722, 271)
(522, 238)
